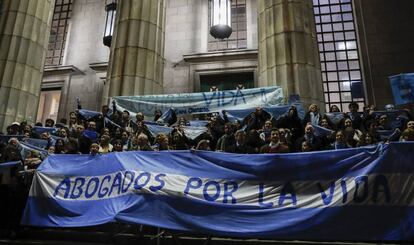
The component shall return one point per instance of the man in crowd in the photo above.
(275, 145)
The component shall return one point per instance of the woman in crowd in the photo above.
(340, 141)
(118, 146)
(59, 146)
(334, 108)
(162, 143)
(366, 139)
(312, 116)
(292, 122)
(105, 145)
(352, 135)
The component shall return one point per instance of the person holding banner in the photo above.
(203, 145)
(315, 142)
(312, 116)
(179, 140)
(214, 88)
(257, 119)
(292, 122)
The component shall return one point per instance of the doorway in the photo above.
(48, 105)
(226, 81)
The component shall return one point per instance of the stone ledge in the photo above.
(245, 54)
(61, 70)
(99, 66)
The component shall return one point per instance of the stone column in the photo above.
(136, 62)
(24, 35)
(288, 52)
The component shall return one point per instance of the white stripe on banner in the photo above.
(374, 189)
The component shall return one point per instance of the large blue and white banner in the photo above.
(189, 103)
(352, 194)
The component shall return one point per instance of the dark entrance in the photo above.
(226, 81)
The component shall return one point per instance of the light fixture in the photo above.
(220, 18)
(110, 9)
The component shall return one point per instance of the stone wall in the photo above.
(83, 49)
(24, 33)
(386, 33)
(186, 37)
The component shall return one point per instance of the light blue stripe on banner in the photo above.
(367, 223)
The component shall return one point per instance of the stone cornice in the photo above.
(245, 54)
(99, 66)
(61, 70)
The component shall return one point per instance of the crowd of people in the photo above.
(259, 132)
(112, 130)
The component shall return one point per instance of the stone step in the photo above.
(116, 233)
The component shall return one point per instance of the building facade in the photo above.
(327, 51)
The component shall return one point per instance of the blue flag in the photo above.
(198, 123)
(157, 129)
(87, 114)
(403, 88)
(27, 148)
(169, 117)
(40, 130)
(321, 131)
(335, 117)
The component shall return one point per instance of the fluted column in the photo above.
(288, 53)
(136, 62)
(24, 35)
